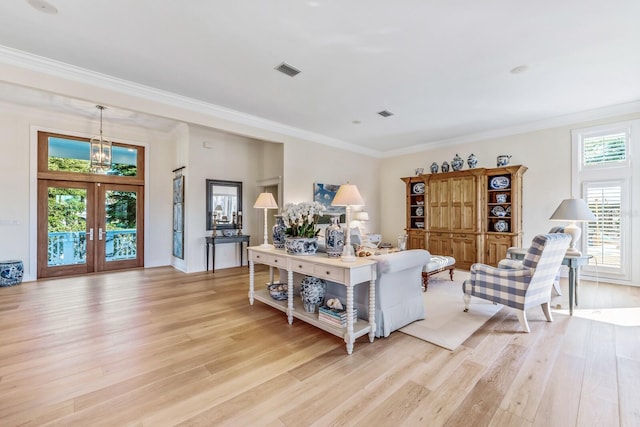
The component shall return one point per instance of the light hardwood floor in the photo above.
(157, 347)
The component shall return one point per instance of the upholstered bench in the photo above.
(436, 265)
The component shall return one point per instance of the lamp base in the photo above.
(267, 246)
(573, 252)
(348, 255)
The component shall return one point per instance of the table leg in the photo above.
(207, 257)
(577, 280)
(290, 296)
(251, 282)
(572, 279)
(372, 309)
(213, 257)
(348, 337)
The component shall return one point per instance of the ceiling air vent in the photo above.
(385, 113)
(288, 69)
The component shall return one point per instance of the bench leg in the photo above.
(425, 281)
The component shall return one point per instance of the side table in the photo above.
(218, 240)
(574, 262)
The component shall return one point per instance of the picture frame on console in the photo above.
(324, 194)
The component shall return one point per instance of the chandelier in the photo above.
(100, 150)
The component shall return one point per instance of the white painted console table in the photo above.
(348, 274)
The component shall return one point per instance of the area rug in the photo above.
(446, 324)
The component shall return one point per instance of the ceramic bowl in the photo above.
(278, 291)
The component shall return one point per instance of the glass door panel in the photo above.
(120, 237)
(65, 224)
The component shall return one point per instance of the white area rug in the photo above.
(447, 325)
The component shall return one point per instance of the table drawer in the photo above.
(328, 272)
(304, 267)
(269, 259)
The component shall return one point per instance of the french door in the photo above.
(85, 227)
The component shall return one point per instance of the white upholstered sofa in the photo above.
(398, 290)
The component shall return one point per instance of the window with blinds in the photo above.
(604, 236)
(606, 149)
(602, 176)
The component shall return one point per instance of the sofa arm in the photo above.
(398, 261)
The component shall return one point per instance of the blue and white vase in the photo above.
(472, 161)
(312, 292)
(444, 167)
(457, 163)
(279, 232)
(11, 272)
(301, 245)
(334, 237)
(434, 167)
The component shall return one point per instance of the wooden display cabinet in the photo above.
(416, 212)
(474, 215)
(503, 211)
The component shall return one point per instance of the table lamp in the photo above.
(573, 210)
(265, 201)
(348, 195)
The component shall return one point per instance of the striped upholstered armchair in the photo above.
(527, 285)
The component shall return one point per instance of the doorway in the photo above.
(86, 227)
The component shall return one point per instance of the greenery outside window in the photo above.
(69, 154)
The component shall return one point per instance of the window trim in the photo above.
(618, 171)
(45, 173)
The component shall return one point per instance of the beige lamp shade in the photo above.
(265, 201)
(347, 195)
(573, 210)
(362, 216)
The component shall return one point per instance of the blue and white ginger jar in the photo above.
(312, 292)
(457, 163)
(279, 232)
(472, 161)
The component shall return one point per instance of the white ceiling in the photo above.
(442, 67)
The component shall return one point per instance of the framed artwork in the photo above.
(324, 194)
(178, 216)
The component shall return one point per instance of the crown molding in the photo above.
(553, 122)
(66, 71)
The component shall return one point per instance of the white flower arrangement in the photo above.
(301, 218)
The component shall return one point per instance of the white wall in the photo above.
(546, 153)
(306, 163)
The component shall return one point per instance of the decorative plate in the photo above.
(498, 211)
(419, 211)
(508, 211)
(501, 226)
(418, 188)
(499, 182)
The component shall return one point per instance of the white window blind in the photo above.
(606, 149)
(604, 236)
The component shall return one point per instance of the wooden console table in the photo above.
(218, 240)
(348, 274)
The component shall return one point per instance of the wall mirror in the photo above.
(224, 201)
